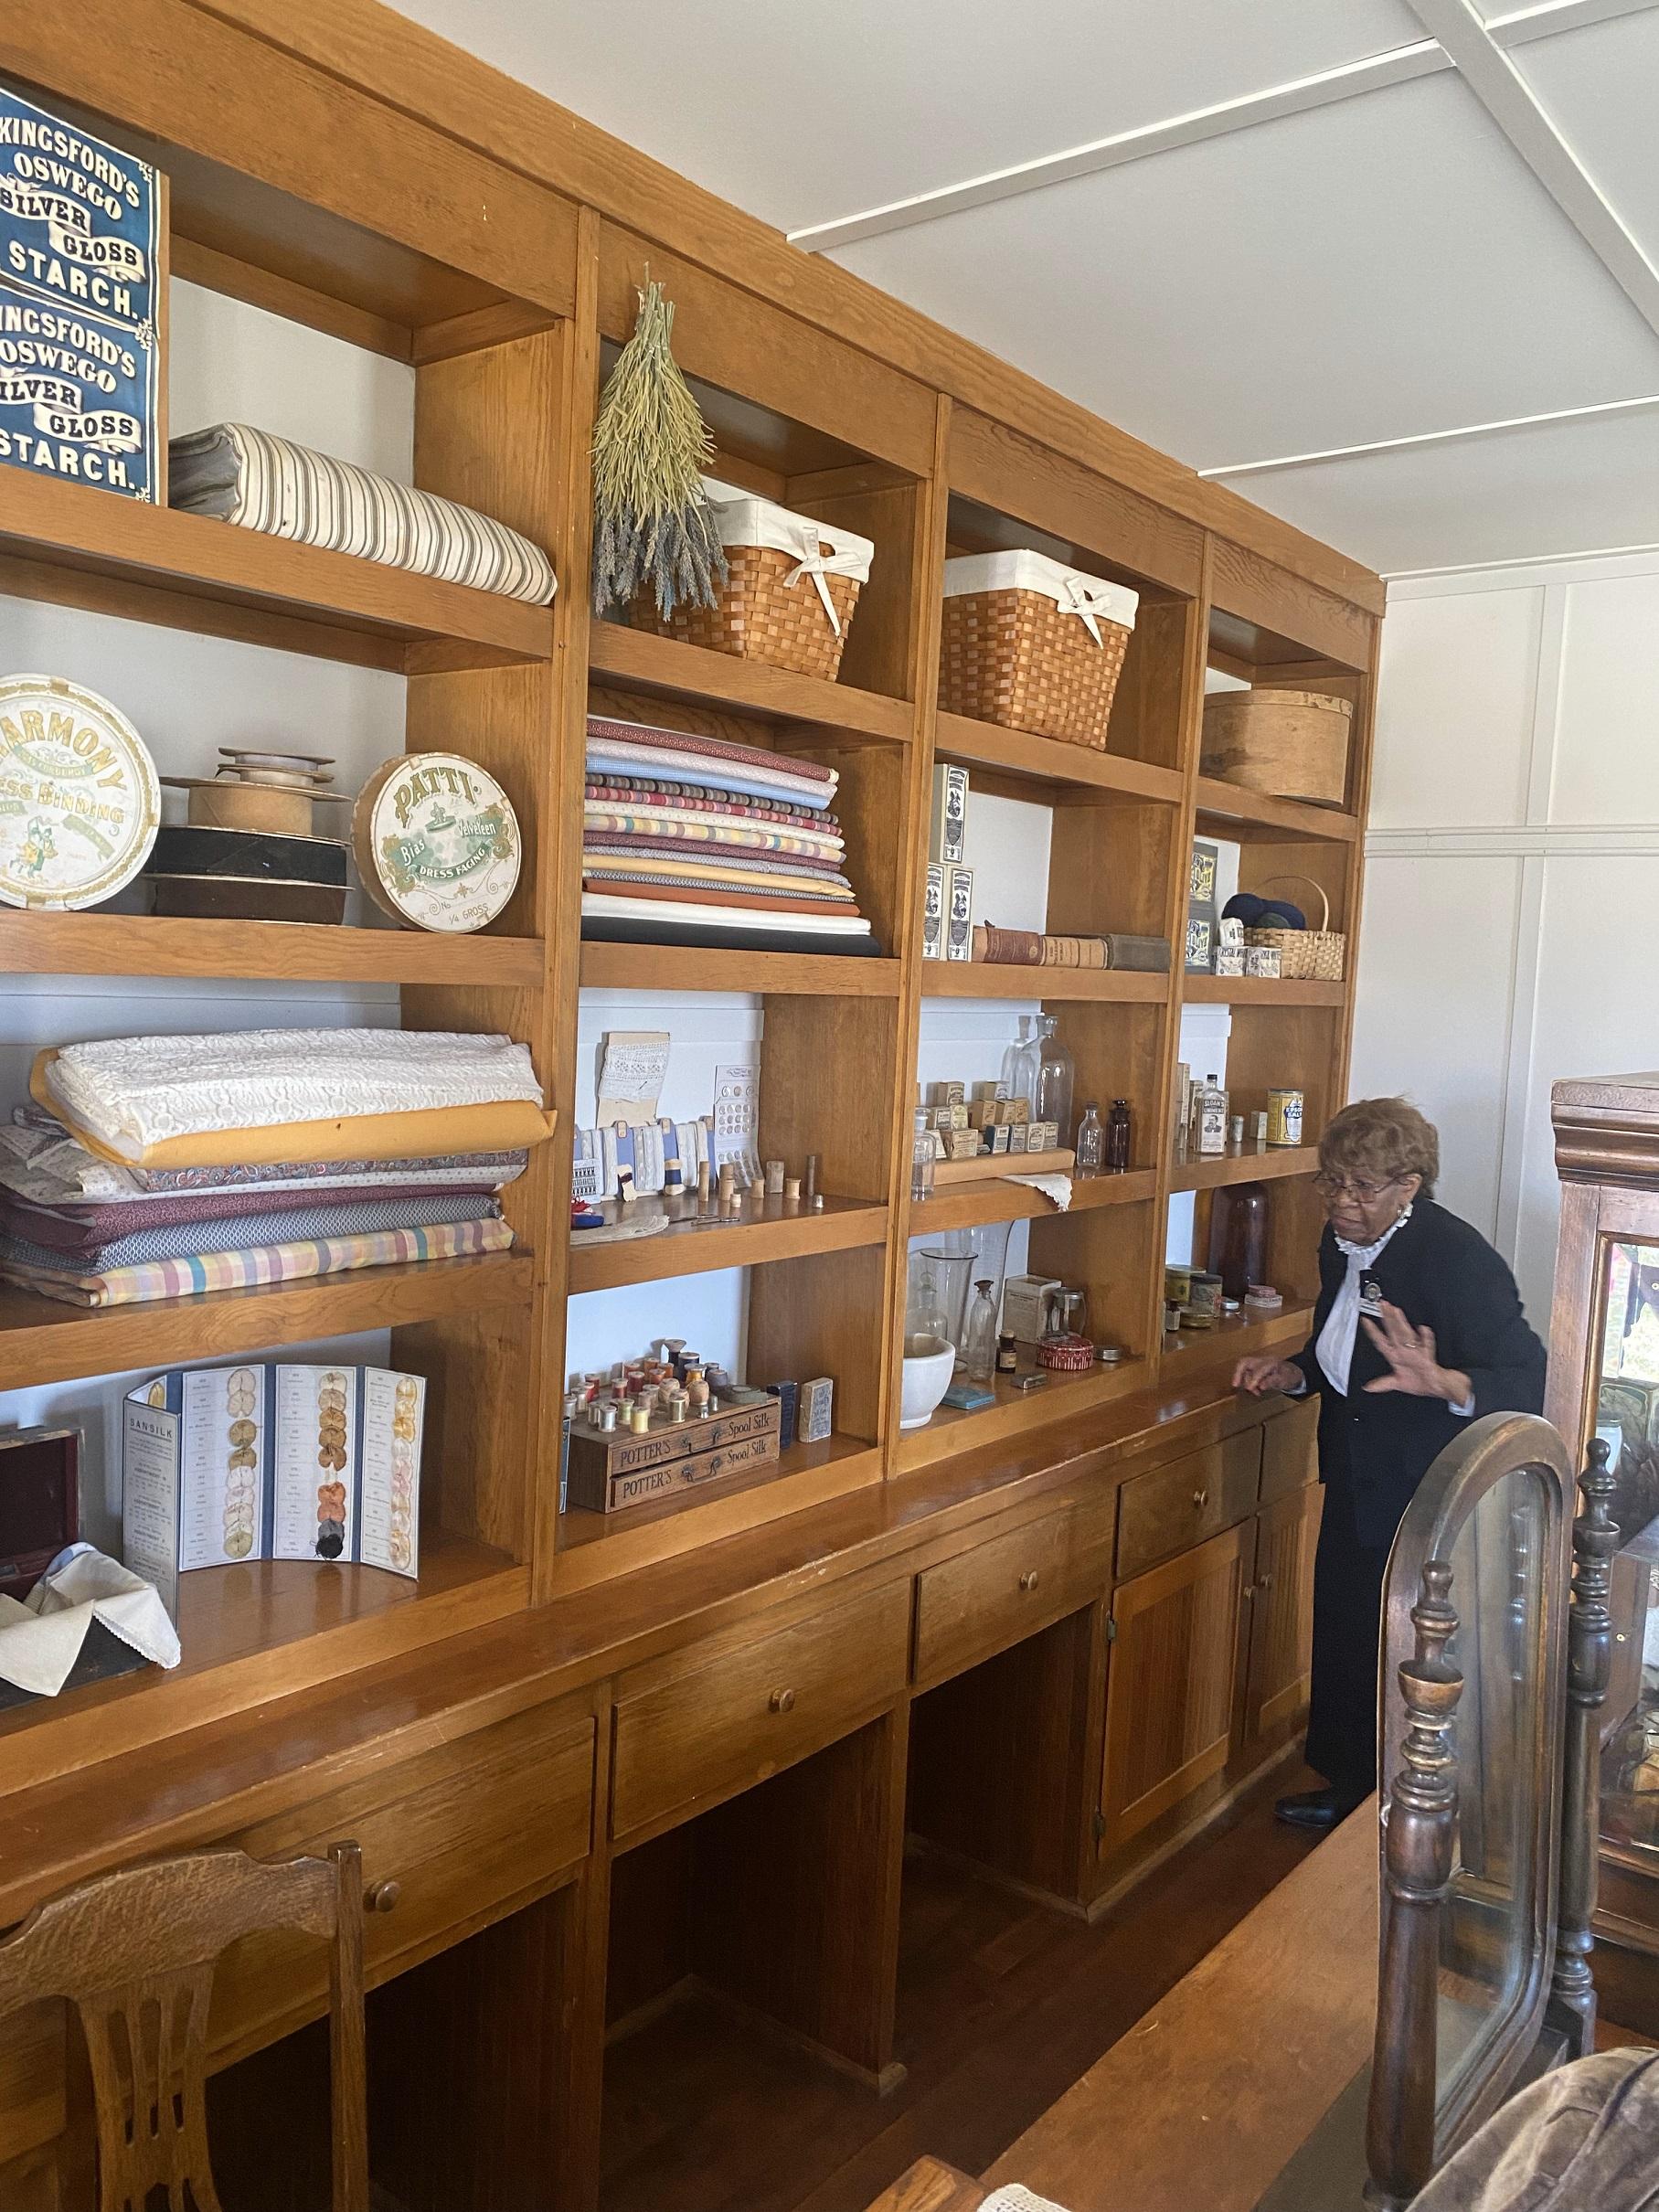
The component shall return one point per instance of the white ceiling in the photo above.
(1248, 230)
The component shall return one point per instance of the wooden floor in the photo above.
(1002, 2005)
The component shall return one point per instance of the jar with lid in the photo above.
(1118, 1138)
(1238, 1236)
(923, 1151)
(1020, 1063)
(979, 1338)
(1091, 1142)
(1054, 1077)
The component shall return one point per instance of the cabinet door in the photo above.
(1281, 1604)
(1173, 1682)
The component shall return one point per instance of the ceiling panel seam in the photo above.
(1348, 80)
(1510, 102)
(1640, 404)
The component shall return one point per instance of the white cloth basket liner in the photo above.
(1090, 598)
(744, 518)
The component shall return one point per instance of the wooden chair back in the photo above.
(134, 1953)
(1411, 2127)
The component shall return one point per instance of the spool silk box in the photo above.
(225, 1464)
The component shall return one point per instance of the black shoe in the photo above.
(1319, 1810)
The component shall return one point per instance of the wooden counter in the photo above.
(1214, 2091)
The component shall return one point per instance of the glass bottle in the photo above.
(1238, 1236)
(1091, 1142)
(1118, 1138)
(923, 1150)
(979, 1339)
(1020, 1061)
(1055, 1076)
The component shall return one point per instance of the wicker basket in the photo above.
(790, 588)
(1031, 644)
(1305, 955)
(1288, 744)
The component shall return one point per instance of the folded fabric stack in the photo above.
(159, 1166)
(690, 840)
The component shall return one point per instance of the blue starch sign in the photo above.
(79, 359)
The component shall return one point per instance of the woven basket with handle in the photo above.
(1304, 955)
(760, 616)
(1017, 659)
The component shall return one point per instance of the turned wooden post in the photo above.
(1589, 1636)
(1417, 1869)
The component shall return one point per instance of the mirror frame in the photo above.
(1408, 2134)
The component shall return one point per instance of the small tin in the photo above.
(1285, 1117)
(1204, 1305)
(1177, 1285)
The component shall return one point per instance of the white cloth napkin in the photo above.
(41, 1638)
(1014, 2198)
(1056, 1188)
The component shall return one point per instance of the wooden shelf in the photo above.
(594, 1547)
(1044, 761)
(1259, 991)
(1254, 1164)
(260, 1632)
(658, 968)
(42, 1342)
(1249, 818)
(1016, 1412)
(989, 979)
(998, 1200)
(640, 659)
(1187, 1350)
(152, 944)
(80, 547)
(697, 1248)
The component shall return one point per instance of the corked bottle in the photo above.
(1238, 1236)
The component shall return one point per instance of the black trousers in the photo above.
(1347, 1621)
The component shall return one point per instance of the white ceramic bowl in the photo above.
(929, 1364)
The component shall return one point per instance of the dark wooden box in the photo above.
(609, 1473)
(39, 1502)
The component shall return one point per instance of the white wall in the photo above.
(1512, 871)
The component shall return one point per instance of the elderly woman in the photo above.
(1417, 1328)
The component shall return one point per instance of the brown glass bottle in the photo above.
(1238, 1236)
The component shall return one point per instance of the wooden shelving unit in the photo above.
(502, 283)
(1252, 1164)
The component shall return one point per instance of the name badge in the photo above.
(1370, 1297)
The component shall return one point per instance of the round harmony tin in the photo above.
(436, 841)
(79, 802)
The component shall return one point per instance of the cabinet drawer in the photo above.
(1006, 1589)
(703, 1734)
(461, 1830)
(1194, 1497)
(1289, 1450)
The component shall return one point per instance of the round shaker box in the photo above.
(436, 841)
(79, 802)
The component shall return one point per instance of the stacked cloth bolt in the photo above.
(690, 840)
(158, 1166)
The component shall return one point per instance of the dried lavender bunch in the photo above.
(652, 520)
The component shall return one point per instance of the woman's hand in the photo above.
(1412, 1366)
(1261, 1372)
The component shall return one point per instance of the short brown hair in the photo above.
(1383, 1139)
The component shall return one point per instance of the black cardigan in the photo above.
(1444, 1274)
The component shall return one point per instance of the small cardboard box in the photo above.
(1024, 1298)
(933, 913)
(947, 825)
(958, 913)
(1265, 960)
(1230, 960)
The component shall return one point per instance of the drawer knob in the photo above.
(1267, 1582)
(1200, 1500)
(1029, 1579)
(381, 1897)
(782, 1701)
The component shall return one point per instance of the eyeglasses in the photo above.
(1357, 1188)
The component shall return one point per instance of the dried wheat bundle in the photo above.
(653, 525)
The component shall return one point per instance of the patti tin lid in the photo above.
(79, 801)
(437, 842)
